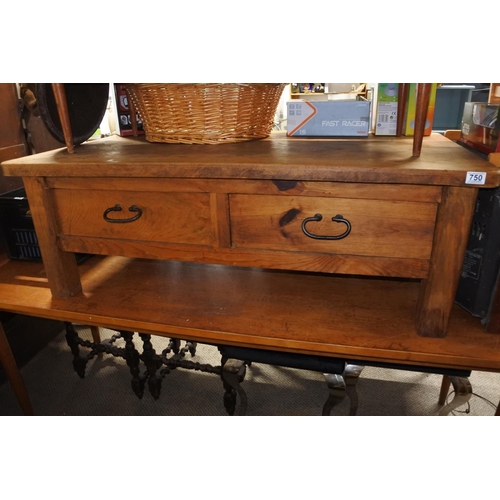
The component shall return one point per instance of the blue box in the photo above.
(328, 118)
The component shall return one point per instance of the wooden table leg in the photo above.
(60, 267)
(62, 108)
(351, 375)
(9, 364)
(96, 336)
(443, 394)
(336, 392)
(402, 99)
(451, 234)
(341, 385)
(423, 97)
(233, 373)
(445, 387)
(463, 392)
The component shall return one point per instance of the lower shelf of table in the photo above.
(356, 318)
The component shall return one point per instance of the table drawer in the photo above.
(168, 217)
(400, 229)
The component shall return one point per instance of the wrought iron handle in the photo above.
(118, 208)
(317, 218)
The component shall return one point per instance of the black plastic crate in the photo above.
(18, 230)
(481, 266)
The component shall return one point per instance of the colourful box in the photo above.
(481, 126)
(328, 118)
(123, 113)
(411, 110)
(387, 109)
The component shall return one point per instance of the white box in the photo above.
(328, 118)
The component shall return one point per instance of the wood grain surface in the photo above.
(371, 159)
(379, 228)
(359, 318)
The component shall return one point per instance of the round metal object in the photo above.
(87, 103)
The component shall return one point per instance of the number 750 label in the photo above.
(475, 178)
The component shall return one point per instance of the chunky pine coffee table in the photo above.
(349, 207)
(342, 248)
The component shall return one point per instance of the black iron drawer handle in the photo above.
(118, 208)
(317, 218)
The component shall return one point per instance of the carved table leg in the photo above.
(351, 376)
(192, 348)
(233, 373)
(132, 358)
(342, 385)
(463, 392)
(154, 382)
(174, 345)
(337, 388)
(79, 362)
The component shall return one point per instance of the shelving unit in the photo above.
(494, 92)
(330, 93)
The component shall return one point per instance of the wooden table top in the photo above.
(360, 319)
(368, 159)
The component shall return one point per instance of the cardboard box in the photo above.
(481, 126)
(328, 118)
(411, 110)
(387, 109)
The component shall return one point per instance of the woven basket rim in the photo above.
(205, 83)
(181, 112)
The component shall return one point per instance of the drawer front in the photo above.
(401, 229)
(162, 217)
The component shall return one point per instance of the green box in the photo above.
(411, 110)
(387, 109)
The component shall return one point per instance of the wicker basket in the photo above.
(205, 113)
